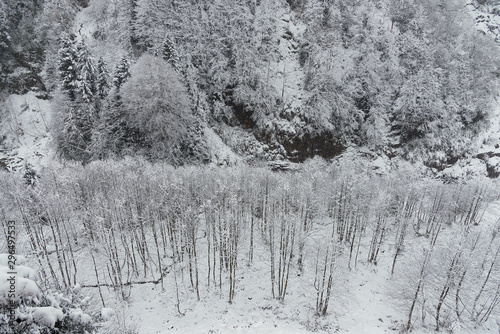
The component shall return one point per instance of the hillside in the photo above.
(281, 166)
(295, 79)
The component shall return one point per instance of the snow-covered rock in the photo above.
(381, 165)
(25, 126)
(493, 166)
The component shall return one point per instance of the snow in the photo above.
(26, 127)
(55, 299)
(489, 141)
(381, 165)
(465, 170)
(360, 303)
(4, 259)
(25, 289)
(494, 162)
(107, 313)
(47, 316)
(220, 153)
(21, 271)
(78, 316)
(486, 22)
(21, 278)
(289, 76)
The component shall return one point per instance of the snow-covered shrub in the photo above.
(24, 308)
(47, 316)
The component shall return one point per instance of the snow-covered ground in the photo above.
(362, 301)
(26, 132)
(289, 76)
(485, 21)
(486, 159)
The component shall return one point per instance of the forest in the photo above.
(216, 166)
(193, 231)
(300, 78)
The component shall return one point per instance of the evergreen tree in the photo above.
(114, 135)
(169, 53)
(87, 78)
(103, 78)
(73, 127)
(133, 19)
(122, 73)
(68, 69)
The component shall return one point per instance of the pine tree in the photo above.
(103, 78)
(75, 129)
(68, 69)
(169, 53)
(87, 74)
(122, 73)
(133, 19)
(115, 134)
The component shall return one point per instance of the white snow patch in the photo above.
(47, 316)
(220, 153)
(24, 289)
(107, 313)
(78, 316)
(288, 77)
(464, 170)
(381, 165)
(486, 22)
(26, 130)
(84, 27)
(21, 271)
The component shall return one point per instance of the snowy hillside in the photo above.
(26, 132)
(485, 160)
(280, 166)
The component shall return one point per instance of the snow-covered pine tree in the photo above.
(132, 23)
(111, 130)
(103, 79)
(87, 74)
(77, 103)
(76, 131)
(122, 73)
(68, 66)
(169, 53)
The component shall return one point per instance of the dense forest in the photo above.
(299, 78)
(221, 166)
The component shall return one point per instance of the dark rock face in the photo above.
(324, 145)
(298, 147)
